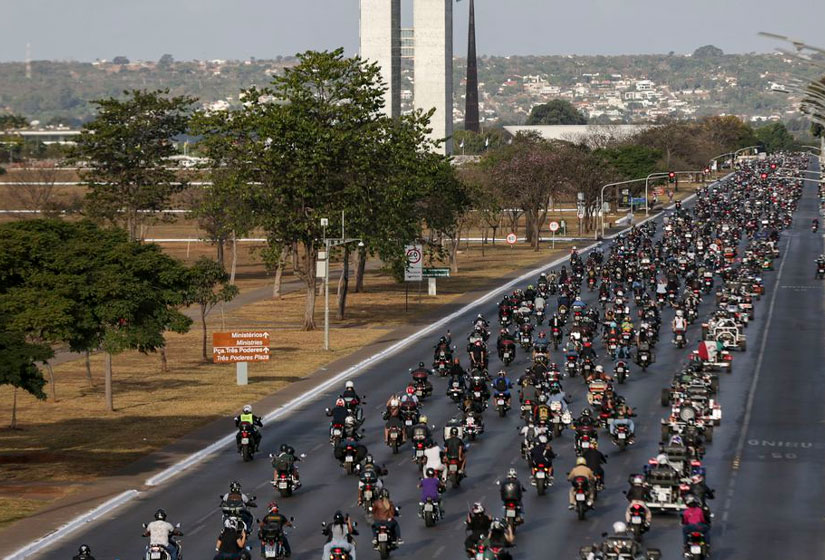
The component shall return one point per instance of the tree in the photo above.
(631, 160)
(166, 61)
(208, 286)
(708, 51)
(477, 143)
(18, 365)
(126, 147)
(775, 137)
(38, 193)
(557, 111)
(120, 60)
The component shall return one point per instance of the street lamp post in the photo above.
(601, 198)
(329, 243)
(713, 159)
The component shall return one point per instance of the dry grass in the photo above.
(75, 440)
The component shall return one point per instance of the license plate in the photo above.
(382, 537)
(270, 552)
(393, 435)
(453, 468)
(540, 474)
(511, 513)
(622, 435)
(580, 497)
(368, 495)
(336, 432)
(419, 452)
(428, 507)
(643, 357)
(507, 355)
(348, 459)
(500, 402)
(154, 555)
(408, 422)
(244, 441)
(585, 444)
(283, 484)
(477, 393)
(636, 519)
(695, 549)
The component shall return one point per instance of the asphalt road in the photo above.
(791, 485)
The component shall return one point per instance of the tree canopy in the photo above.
(557, 111)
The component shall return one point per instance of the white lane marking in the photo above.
(438, 551)
(737, 458)
(73, 525)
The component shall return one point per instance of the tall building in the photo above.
(380, 38)
(433, 66)
(471, 97)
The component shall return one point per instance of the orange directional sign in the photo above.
(240, 346)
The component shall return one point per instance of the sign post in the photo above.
(240, 348)
(415, 258)
(431, 274)
(554, 227)
(511, 239)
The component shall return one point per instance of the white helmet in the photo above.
(247, 409)
(349, 385)
(678, 312)
(599, 369)
(661, 459)
(619, 527)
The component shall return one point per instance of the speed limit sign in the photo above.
(554, 226)
(511, 238)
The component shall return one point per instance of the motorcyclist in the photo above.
(542, 453)
(501, 536)
(369, 473)
(679, 324)
(511, 490)
(431, 488)
(443, 346)
(456, 372)
(505, 340)
(359, 448)
(700, 489)
(502, 386)
(693, 519)
(272, 527)
(83, 553)
(454, 449)
(530, 293)
(285, 462)
(339, 533)
(339, 412)
(420, 376)
(587, 351)
(352, 400)
(478, 524)
(420, 432)
(622, 418)
(542, 413)
(478, 355)
(541, 346)
(433, 458)
(393, 419)
(235, 498)
(254, 422)
(159, 532)
(384, 513)
(594, 459)
(231, 544)
(582, 470)
(621, 543)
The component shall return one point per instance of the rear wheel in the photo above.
(429, 519)
(581, 510)
(384, 551)
(246, 452)
(541, 486)
(348, 467)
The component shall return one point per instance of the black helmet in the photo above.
(84, 550)
(338, 517)
(284, 448)
(421, 364)
(234, 486)
(430, 472)
(160, 515)
(453, 432)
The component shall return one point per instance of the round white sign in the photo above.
(511, 238)
(554, 226)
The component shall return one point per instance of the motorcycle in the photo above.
(584, 440)
(442, 364)
(349, 455)
(511, 514)
(623, 437)
(621, 372)
(508, 354)
(336, 432)
(453, 473)
(455, 392)
(542, 477)
(570, 364)
(820, 270)
(394, 438)
(284, 483)
(247, 449)
(697, 547)
(679, 338)
(158, 552)
(580, 496)
(473, 427)
(273, 544)
(419, 446)
(556, 335)
(430, 512)
(501, 404)
(638, 521)
(525, 340)
(384, 540)
(643, 359)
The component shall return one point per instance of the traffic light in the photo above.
(671, 176)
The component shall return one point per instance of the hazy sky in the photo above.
(237, 29)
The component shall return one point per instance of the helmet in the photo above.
(384, 493)
(421, 364)
(338, 517)
(676, 440)
(442, 340)
(230, 523)
(678, 312)
(430, 472)
(453, 432)
(273, 507)
(410, 390)
(502, 373)
(235, 486)
(637, 480)
(369, 460)
(599, 369)
(479, 316)
(530, 287)
(478, 508)
(84, 550)
(697, 478)
(284, 448)
(422, 419)
(586, 412)
(543, 439)
(691, 500)
(349, 385)
(349, 421)
(502, 332)
(456, 361)
(339, 402)
(542, 398)
(581, 461)
(247, 409)
(619, 527)
(160, 515)
(512, 473)
(394, 402)
(661, 458)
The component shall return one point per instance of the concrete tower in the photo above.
(471, 106)
(433, 67)
(380, 33)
